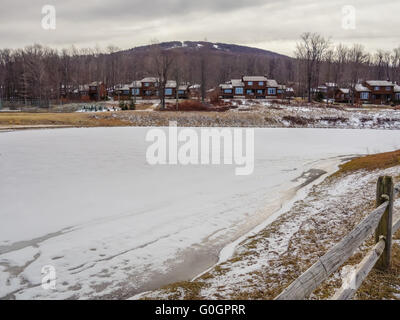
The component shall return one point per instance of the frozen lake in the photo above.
(86, 202)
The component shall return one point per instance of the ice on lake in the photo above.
(86, 202)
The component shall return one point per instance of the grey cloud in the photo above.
(262, 22)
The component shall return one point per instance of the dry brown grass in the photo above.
(371, 162)
(60, 119)
(381, 285)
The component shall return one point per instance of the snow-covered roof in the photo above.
(136, 84)
(170, 84)
(183, 87)
(344, 90)
(84, 87)
(122, 87)
(95, 83)
(360, 88)
(237, 83)
(331, 85)
(226, 86)
(149, 79)
(380, 83)
(396, 88)
(272, 83)
(254, 78)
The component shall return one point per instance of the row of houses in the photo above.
(254, 87)
(368, 92)
(147, 88)
(94, 91)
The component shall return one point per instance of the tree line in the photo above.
(319, 61)
(37, 72)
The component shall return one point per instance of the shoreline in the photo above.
(286, 201)
(250, 115)
(270, 258)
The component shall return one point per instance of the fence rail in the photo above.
(379, 220)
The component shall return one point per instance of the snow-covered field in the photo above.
(86, 202)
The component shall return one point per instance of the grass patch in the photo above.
(381, 285)
(61, 119)
(371, 162)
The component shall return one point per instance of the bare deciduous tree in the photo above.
(310, 52)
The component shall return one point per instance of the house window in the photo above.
(168, 92)
(388, 88)
(271, 91)
(397, 96)
(280, 91)
(260, 91)
(377, 88)
(249, 92)
(135, 91)
(148, 93)
(364, 95)
(228, 91)
(261, 83)
(239, 90)
(250, 83)
(181, 92)
(146, 84)
(125, 92)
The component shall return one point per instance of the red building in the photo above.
(249, 87)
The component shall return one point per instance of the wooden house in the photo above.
(249, 87)
(150, 88)
(226, 90)
(136, 90)
(362, 94)
(122, 92)
(255, 87)
(184, 91)
(382, 92)
(342, 95)
(83, 93)
(194, 91)
(97, 91)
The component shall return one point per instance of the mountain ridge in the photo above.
(212, 46)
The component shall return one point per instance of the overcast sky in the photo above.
(268, 24)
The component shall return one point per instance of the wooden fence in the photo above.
(380, 220)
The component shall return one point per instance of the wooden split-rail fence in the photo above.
(380, 220)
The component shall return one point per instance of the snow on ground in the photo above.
(321, 117)
(86, 202)
(267, 262)
(265, 114)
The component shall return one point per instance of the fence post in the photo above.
(385, 192)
